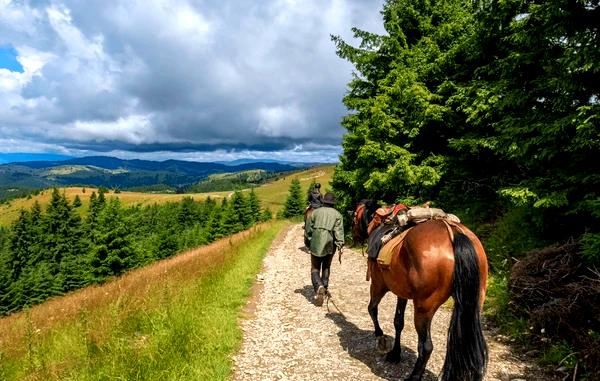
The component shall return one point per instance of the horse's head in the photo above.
(363, 214)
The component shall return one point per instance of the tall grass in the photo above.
(175, 320)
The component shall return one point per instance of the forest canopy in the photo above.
(483, 106)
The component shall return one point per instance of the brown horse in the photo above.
(435, 261)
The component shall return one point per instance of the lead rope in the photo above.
(328, 298)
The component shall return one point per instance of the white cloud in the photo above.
(278, 121)
(133, 129)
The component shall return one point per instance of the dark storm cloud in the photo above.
(178, 75)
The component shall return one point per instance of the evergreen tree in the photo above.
(167, 244)
(231, 217)
(217, 228)
(206, 210)
(254, 207)
(37, 231)
(399, 128)
(5, 283)
(5, 271)
(187, 216)
(92, 214)
(266, 215)
(77, 202)
(241, 207)
(113, 252)
(41, 283)
(65, 242)
(20, 244)
(295, 203)
(533, 99)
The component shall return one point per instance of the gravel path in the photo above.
(286, 337)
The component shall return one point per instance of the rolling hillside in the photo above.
(272, 195)
(112, 172)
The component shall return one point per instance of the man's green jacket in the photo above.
(325, 231)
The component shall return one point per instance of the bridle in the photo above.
(362, 216)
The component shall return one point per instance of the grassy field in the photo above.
(272, 195)
(173, 320)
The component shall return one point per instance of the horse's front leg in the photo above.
(378, 290)
(396, 353)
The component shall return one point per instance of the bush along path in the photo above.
(287, 337)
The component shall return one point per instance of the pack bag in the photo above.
(418, 215)
(387, 240)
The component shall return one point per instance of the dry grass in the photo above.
(124, 294)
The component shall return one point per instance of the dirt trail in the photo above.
(286, 337)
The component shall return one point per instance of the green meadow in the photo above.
(176, 319)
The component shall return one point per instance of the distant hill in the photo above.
(112, 172)
(272, 195)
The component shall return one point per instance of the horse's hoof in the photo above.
(383, 344)
(393, 356)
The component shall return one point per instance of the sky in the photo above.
(177, 79)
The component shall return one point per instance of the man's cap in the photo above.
(329, 198)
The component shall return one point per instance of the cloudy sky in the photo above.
(183, 79)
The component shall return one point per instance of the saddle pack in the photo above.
(390, 225)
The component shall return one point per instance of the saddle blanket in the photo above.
(393, 246)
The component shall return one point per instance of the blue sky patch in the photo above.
(8, 59)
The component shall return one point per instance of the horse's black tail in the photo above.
(466, 354)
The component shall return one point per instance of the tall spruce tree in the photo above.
(20, 244)
(187, 215)
(113, 252)
(254, 207)
(232, 215)
(5, 278)
(65, 242)
(295, 204)
(216, 223)
(396, 146)
(242, 209)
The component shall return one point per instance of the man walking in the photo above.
(315, 199)
(325, 233)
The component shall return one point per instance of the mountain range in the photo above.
(112, 172)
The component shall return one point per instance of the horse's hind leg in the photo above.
(396, 353)
(423, 327)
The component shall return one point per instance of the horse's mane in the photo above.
(370, 207)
